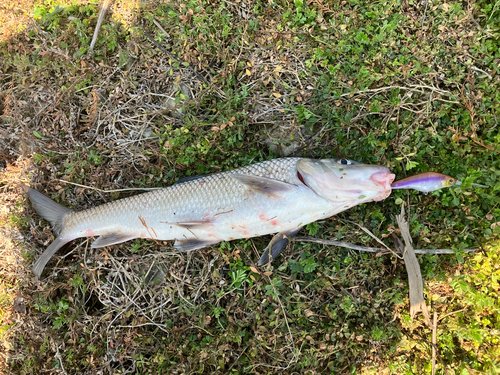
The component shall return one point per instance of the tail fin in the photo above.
(47, 254)
(48, 209)
(54, 213)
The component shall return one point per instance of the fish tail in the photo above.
(48, 209)
(47, 255)
(54, 213)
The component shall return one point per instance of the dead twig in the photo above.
(434, 340)
(108, 191)
(375, 249)
(374, 237)
(102, 14)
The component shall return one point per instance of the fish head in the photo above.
(344, 180)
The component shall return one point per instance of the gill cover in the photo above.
(344, 180)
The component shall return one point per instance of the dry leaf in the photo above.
(308, 313)
(277, 94)
(415, 282)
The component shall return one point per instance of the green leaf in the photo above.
(36, 134)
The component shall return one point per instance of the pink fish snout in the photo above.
(383, 179)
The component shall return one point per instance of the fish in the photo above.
(425, 182)
(277, 196)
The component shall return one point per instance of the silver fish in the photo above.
(275, 196)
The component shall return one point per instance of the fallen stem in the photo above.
(108, 191)
(376, 249)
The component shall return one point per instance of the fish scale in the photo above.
(275, 196)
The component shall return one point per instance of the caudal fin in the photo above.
(47, 255)
(48, 209)
(54, 213)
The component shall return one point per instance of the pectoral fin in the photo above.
(264, 185)
(112, 239)
(276, 246)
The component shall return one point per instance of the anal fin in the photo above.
(112, 239)
(276, 246)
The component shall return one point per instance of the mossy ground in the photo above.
(408, 84)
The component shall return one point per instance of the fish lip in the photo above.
(383, 179)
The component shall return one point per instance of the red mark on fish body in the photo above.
(246, 233)
(89, 233)
(274, 222)
(263, 217)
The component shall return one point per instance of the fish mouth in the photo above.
(383, 179)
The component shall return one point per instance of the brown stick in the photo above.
(375, 249)
(434, 340)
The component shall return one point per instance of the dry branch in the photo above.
(376, 249)
(102, 13)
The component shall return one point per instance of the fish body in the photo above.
(275, 196)
(425, 182)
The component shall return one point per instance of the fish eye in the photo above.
(344, 161)
(451, 181)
